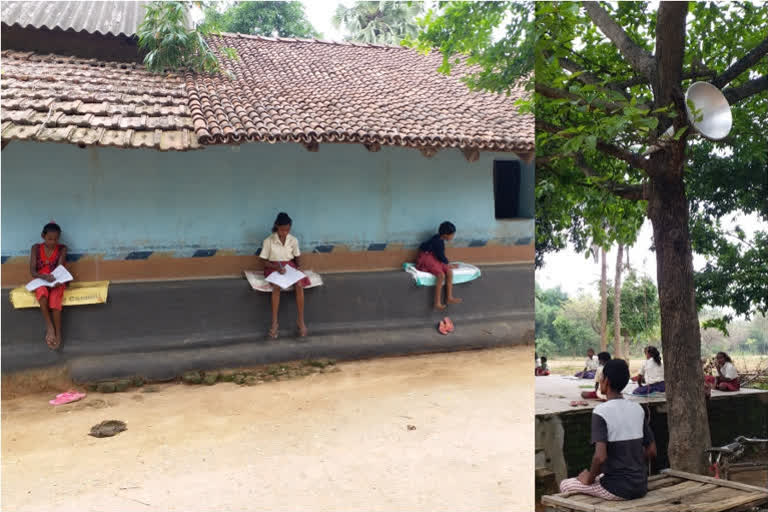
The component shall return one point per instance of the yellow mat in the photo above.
(76, 294)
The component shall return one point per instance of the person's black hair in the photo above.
(654, 353)
(447, 228)
(51, 227)
(725, 356)
(543, 359)
(617, 373)
(604, 357)
(282, 220)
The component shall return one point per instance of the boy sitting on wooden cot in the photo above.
(623, 443)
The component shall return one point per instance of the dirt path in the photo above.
(335, 441)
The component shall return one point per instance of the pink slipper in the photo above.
(448, 324)
(442, 328)
(66, 398)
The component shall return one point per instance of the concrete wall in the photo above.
(114, 202)
(158, 329)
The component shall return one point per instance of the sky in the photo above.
(319, 13)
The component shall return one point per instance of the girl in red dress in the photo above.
(43, 258)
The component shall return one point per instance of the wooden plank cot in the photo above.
(671, 491)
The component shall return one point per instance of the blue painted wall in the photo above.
(111, 201)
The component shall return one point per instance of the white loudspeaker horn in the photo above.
(714, 114)
(715, 119)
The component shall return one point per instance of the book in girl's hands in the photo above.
(61, 274)
(286, 280)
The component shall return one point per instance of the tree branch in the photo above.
(551, 92)
(741, 65)
(633, 159)
(640, 60)
(736, 94)
(670, 47)
(624, 191)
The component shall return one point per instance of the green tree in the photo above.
(610, 80)
(283, 19)
(640, 316)
(577, 325)
(548, 303)
(469, 30)
(382, 22)
(169, 42)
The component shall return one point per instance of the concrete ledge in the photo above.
(337, 346)
(186, 323)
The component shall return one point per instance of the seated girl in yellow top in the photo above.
(278, 250)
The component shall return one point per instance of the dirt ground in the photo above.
(337, 441)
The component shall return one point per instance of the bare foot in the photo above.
(302, 329)
(453, 300)
(57, 342)
(50, 337)
(439, 307)
(273, 331)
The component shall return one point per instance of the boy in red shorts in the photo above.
(43, 258)
(432, 259)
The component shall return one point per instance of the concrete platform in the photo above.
(554, 394)
(563, 444)
(159, 329)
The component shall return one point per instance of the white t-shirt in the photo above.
(591, 364)
(652, 372)
(729, 371)
(274, 250)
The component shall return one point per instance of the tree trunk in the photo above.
(603, 302)
(617, 305)
(680, 337)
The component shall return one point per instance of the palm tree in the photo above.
(383, 22)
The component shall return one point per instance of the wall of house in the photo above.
(134, 205)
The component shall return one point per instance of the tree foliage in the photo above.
(283, 19)
(382, 22)
(497, 37)
(640, 314)
(170, 43)
(596, 116)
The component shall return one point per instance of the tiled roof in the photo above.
(308, 91)
(107, 17)
(91, 102)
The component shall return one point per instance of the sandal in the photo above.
(442, 328)
(578, 403)
(448, 324)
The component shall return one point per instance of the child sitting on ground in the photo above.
(727, 376)
(623, 443)
(43, 259)
(590, 366)
(602, 358)
(432, 259)
(651, 377)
